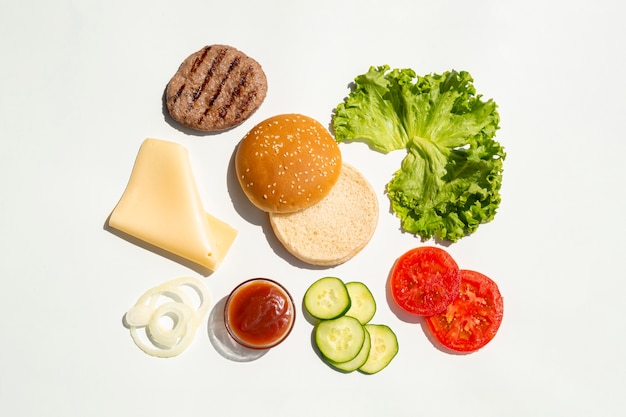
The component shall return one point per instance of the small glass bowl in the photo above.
(259, 313)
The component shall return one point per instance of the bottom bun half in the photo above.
(336, 228)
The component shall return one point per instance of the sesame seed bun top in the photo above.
(287, 163)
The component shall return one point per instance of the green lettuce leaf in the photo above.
(449, 182)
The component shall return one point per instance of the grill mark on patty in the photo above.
(231, 67)
(209, 74)
(199, 60)
(244, 106)
(227, 76)
(178, 93)
(235, 94)
(196, 63)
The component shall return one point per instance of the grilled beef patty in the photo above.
(216, 88)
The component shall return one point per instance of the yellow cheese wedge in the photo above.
(161, 206)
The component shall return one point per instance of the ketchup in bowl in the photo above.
(259, 313)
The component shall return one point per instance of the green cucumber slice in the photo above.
(384, 348)
(327, 298)
(358, 361)
(363, 305)
(341, 339)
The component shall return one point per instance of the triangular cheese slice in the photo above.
(161, 206)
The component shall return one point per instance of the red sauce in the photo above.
(259, 313)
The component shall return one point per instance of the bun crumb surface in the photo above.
(335, 229)
(287, 163)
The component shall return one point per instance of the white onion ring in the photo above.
(147, 313)
(181, 314)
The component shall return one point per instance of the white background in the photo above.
(81, 84)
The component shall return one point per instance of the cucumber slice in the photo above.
(358, 361)
(363, 305)
(384, 348)
(341, 339)
(327, 298)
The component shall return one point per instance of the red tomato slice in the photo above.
(473, 318)
(425, 281)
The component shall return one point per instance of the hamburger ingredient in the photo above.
(473, 308)
(287, 163)
(384, 347)
(164, 320)
(161, 206)
(327, 298)
(359, 360)
(259, 313)
(425, 280)
(340, 339)
(473, 318)
(362, 303)
(335, 229)
(449, 181)
(348, 342)
(215, 88)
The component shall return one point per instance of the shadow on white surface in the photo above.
(223, 342)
